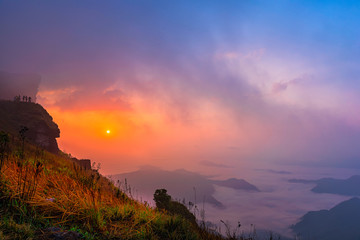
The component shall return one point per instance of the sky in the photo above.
(200, 85)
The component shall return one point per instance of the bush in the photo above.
(163, 202)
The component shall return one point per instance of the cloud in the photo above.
(208, 79)
(283, 85)
(256, 54)
(13, 84)
(279, 87)
(85, 99)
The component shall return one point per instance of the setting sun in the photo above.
(108, 131)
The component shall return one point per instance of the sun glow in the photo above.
(108, 131)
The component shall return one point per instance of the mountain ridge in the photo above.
(346, 187)
(340, 222)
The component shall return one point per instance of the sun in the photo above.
(108, 131)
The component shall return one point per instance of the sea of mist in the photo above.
(277, 206)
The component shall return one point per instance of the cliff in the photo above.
(42, 130)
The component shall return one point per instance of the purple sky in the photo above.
(211, 83)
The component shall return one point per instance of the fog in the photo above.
(278, 205)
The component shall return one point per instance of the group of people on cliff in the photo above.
(24, 99)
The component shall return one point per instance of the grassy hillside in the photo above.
(40, 191)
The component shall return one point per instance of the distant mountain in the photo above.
(181, 184)
(273, 171)
(238, 184)
(295, 180)
(340, 222)
(42, 131)
(347, 187)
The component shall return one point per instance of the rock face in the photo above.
(42, 131)
(84, 163)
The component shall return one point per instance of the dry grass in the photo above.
(39, 190)
(43, 190)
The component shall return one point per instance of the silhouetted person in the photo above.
(29, 99)
(17, 98)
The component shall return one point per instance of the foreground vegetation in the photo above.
(50, 196)
(40, 191)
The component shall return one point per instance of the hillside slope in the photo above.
(50, 196)
(43, 194)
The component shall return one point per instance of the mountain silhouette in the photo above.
(181, 184)
(340, 222)
(346, 187)
(237, 184)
